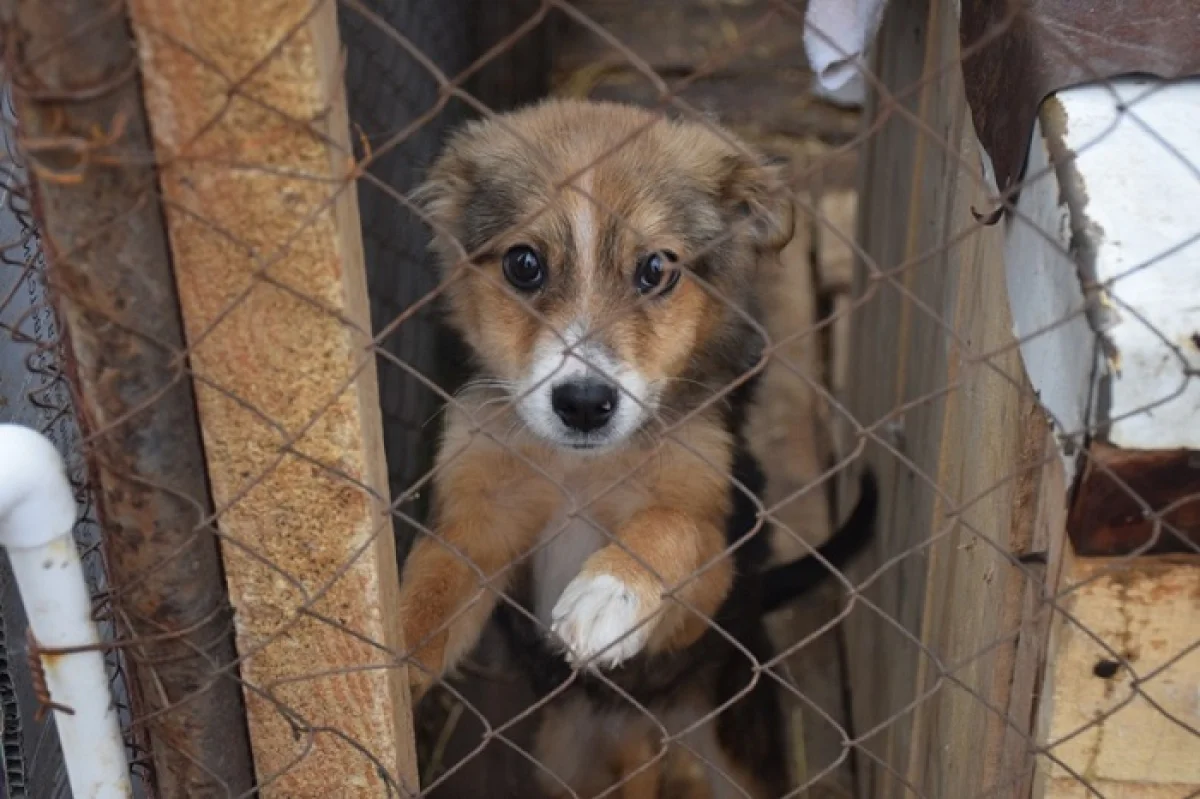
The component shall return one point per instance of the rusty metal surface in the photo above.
(1108, 517)
(1018, 52)
(82, 126)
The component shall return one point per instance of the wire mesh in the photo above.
(929, 666)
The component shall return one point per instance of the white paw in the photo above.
(592, 619)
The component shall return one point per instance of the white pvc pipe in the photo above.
(37, 513)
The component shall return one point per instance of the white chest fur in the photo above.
(562, 548)
(574, 532)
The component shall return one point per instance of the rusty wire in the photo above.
(951, 511)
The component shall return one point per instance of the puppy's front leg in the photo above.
(488, 512)
(673, 544)
(601, 612)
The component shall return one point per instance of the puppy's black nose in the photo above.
(585, 405)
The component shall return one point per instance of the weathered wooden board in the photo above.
(943, 656)
(249, 123)
(834, 232)
(789, 436)
(675, 37)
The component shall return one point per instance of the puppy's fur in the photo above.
(614, 536)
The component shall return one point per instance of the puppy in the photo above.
(599, 264)
(606, 731)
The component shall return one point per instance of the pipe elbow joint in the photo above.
(36, 501)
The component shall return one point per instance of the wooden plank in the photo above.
(791, 418)
(835, 227)
(837, 217)
(287, 398)
(1045, 551)
(789, 413)
(964, 466)
(759, 103)
(876, 386)
(673, 36)
(1124, 622)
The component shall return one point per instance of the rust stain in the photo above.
(1106, 518)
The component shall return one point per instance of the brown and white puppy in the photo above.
(601, 263)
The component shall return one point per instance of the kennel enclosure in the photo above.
(245, 319)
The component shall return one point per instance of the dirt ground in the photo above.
(742, 61)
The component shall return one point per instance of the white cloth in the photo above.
(837, 35)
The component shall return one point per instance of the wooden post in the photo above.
(250, 128)
(944, 673)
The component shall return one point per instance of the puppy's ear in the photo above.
(439, 199)
(443, 198)
(756, 190)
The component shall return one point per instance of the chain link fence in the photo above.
(272, 388)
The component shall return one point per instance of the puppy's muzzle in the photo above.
(584, 405)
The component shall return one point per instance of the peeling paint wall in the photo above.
(1106, 244)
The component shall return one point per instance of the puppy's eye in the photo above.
(524, 268)
(656, 273)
